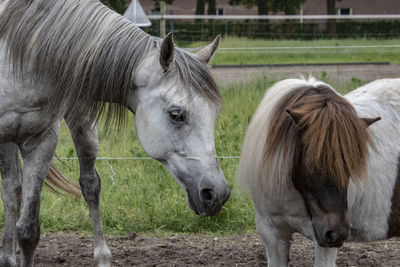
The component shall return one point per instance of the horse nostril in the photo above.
(331, 236)
(338, 235)
(207, 196)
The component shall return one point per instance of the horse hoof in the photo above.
(102, 256)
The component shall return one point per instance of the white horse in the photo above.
(78, 59)
(314, 167)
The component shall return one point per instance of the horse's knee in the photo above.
(28, 234)
(91, 187)
(11, 193)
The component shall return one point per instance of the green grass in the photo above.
(295, 54)
(140, 196)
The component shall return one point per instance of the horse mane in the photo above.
(334, 139)
(86, 53)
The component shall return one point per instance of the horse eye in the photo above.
(177, 115)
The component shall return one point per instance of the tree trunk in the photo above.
(263, 27)
(212, 7)
(331, 10)
(200, 7)
(262, 6)
(288, 26)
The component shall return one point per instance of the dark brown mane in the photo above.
(335, 140)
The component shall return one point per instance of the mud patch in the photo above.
(68, 249)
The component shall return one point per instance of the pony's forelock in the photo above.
(335, 140)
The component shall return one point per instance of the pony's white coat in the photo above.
(370, 202)
(279, 207)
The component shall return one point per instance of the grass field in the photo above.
(140, 196)
(296, 51)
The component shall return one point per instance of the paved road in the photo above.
(337, 73)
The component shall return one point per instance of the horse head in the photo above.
(331, 149)
(176, 104)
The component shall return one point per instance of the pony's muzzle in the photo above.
(335, 237)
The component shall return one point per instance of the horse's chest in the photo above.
(17, 126)
(287, 215)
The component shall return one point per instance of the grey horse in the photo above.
(76, 59)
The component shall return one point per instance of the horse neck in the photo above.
(94, 61)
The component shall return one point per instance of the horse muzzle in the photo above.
(206, 201)
(332, 236)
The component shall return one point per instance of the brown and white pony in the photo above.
(314, 166)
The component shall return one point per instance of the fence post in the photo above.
(162, 20)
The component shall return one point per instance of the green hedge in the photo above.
(206, 30)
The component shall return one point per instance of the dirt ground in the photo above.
(67, 249)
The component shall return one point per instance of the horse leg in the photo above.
(11, 195)
(325, 257)
(277, 244)
(86, 141)
(37, 156)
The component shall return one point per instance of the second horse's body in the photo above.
(324, 165)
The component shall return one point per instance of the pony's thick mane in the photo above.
(334, 139)
(85, 53)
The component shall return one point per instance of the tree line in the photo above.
(264, 7)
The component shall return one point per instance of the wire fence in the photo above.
(138, 158)
(283, 39)
(111, 168)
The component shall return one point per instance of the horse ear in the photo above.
(206, 53)
(167, 51)
(294, 116)
(370, 121)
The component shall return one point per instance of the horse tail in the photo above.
(55, 181)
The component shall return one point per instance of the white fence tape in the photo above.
(307, 47)
(276, 17)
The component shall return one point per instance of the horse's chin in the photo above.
(191, 203)
(330, 245)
